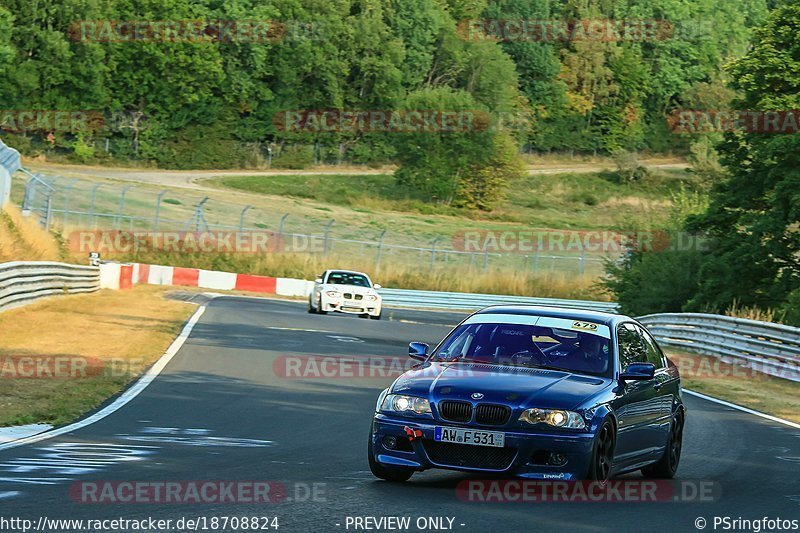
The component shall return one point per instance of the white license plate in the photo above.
(355, 309)
(474, 437)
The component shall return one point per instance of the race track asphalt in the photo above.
(222, 410)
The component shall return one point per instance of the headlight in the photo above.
(333, 294)
(370, 297)
(553, 417)
(398, 403)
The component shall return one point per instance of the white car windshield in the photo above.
(528, 345)
(346, 278)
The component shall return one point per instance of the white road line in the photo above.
(126, 397)
(744, 409)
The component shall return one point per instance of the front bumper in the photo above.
(524, 454)
(352, 307)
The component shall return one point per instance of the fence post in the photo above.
(380, 250)
(67, 197)
(121, 207)
(91, 204)
(325, 245)
(433, 251)
(49, 210)
(158, 208)
(280, 231)
(241, 217)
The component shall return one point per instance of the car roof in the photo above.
(346, 272)
(599, 317)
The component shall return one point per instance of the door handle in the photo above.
(657, 386)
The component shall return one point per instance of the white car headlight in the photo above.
(370, 297)
(553, 417)
(399, 403)
(333, 294)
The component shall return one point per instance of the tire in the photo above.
(311, 309)
(319, 307)
(667, 466)
(603, 453)
(395, 474)
(376, 317)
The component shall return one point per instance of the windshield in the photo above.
(528, 345)
(345, 278)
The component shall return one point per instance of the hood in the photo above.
(517, 387)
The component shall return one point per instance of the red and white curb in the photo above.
(118, 276)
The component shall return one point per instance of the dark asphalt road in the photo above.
(220, 411)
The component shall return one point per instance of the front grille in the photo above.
(456, 411)
(467, 456)
(492, 415)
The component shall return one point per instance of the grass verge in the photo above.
(736, 384)
(390, 274)
(596, 200)
(115, 336)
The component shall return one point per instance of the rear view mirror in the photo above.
(418, 350)
(639, 372)
(376, 287)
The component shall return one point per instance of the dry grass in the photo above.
(117, 334)
(752, 313)
(22, 239)
(408, 275)
(736, 384)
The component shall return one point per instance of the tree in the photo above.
(466, 168)
(754, 215)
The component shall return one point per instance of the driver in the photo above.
(590, 355)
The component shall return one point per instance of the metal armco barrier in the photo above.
(24, 282)
(469, 301)
(769, 348)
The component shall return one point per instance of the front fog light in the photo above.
(399, 403)
(553, 417)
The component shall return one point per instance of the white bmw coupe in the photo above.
(344, 291)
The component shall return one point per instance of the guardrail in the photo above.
(768, 348)
(24, 282)
(470, 301)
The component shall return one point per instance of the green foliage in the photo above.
(753, 216)
(465, 168)
(755, 211)
(294, 157)
(587, 96)
(654, 282)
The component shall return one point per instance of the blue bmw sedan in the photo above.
(537, 392)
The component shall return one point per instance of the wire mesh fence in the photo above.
(68, 205)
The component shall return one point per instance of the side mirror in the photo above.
(639, 372)
(418, 350)
(318, 280)
(376, 287)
